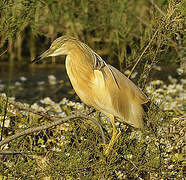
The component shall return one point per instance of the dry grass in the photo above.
(74, 149)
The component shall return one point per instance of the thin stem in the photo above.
(143, 52)
(6, 104)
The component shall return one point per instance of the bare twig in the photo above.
(157, 7)
(147, 70)
(46, 126)
(35, 129)
(3, 52)
(55, 121)
(7, 152)
(143, 52)
(142, 21)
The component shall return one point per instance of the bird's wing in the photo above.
(125, 84)
(120, 80)
(99, 63)
(117, 95)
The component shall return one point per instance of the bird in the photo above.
(100, 85)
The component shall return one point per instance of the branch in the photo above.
(157, 7)
(143, 52)
(3, 52)
(7, 152)
(35, 129)
(55, 121)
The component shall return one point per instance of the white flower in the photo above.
(56, 149)
(127, 72)
(12, 98)
(171, 166)
(34, 106)
(78, 106)
(24, 113)
(62, 137)
(62, 114)
(134, 75)
(70, 103)
(47, 100)
(179, 87)
(180, 71)
(172, 80)
(157, 82)
(2, 117)
(41, 83)
(57, 107)
(43, 146)
(52, 79)
(158, 101)
(64, 101)
(22, 78)
(6, 147)
(7, 123)
(17, 83)
(37, 107)
(3, 95)
(183, 81)
(120, 175)
(172, 91)
(159, 90)
(2, 86)
(149, 89)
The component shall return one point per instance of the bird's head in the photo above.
(61, 46)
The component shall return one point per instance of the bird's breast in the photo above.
(89, 85)
(80, 77)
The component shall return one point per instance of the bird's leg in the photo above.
(115, 136)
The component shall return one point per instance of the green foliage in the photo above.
(117, 30)
(74, 150)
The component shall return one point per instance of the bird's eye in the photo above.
(53, 47)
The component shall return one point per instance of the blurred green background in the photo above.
(117, 30)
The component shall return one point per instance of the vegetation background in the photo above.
(123, 32)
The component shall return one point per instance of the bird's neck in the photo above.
(79, 69)
(81, 60)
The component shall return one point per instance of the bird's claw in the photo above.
(109, 147)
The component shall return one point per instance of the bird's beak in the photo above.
(42, 56)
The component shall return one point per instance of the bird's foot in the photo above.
(109, 147)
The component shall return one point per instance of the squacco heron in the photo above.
(99, 85)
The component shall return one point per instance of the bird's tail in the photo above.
(135, 117)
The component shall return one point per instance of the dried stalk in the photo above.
(153, 37)
(55, 121)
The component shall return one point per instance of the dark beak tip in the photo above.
(35, 60)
